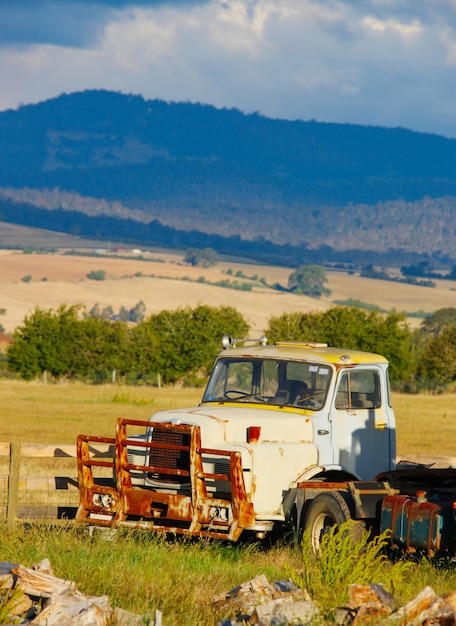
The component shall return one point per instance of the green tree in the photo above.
(100, 348)
(107, 313)
(124, 314)
(45, 342)
(437, 363)
(184, 342)
(209, 324)
(143, 352)
(138, 312)
(309, 280)
(97, 275)
(95, 310)
(352, 328)
(435, 323)
(201, 257)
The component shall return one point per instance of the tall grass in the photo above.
(345, 557)
(142, 572)
(348, 556)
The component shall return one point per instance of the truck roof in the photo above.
(298, 351)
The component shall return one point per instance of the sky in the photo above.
(371, 62)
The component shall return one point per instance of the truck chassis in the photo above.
(417, 503)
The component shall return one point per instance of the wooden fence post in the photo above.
(13, 483)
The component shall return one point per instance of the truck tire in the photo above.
(325, 511)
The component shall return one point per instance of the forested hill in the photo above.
(98, 158)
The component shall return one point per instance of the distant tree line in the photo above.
(409, 278)
(154, 233)
(426, 269)
(179, 346)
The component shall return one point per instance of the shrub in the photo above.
(26, 279)
(97, 275)
(346, 556)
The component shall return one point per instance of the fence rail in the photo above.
(40, 480)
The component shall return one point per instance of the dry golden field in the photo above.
(37, 413)
(159, 286)
(156, 279)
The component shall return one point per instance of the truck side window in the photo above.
(359, 389)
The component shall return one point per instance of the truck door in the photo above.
(361, 421)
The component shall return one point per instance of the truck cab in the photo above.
(272, 417)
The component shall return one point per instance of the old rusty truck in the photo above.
(297, 431)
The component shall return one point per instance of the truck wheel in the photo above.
(325, 511)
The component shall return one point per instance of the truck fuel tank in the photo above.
(418, 524)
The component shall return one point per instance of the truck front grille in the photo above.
(169, 457)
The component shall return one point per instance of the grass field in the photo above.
(140, 572)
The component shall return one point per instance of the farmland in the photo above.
(162, 281)
(143, 572)
(179, 578)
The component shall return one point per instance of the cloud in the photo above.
(379, 62)
(64, 22)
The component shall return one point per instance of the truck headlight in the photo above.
(219, 513)
(102, 500)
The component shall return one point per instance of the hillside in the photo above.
(102, 164)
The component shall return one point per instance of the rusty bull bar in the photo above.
(179, 496)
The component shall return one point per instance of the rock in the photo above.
(406, 615)
(46, 600)
(258, 602)
(267, 604)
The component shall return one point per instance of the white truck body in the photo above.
(271, 418)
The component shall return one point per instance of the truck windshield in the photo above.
(269, 381)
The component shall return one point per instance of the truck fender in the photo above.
(314, 470)
(295, 497)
